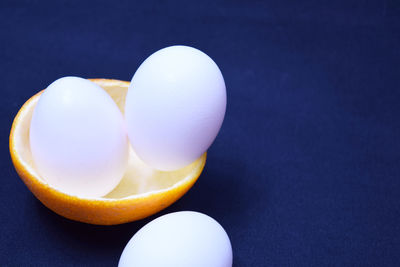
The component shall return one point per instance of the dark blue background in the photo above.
(306, 168)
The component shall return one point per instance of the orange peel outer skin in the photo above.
(98, 211)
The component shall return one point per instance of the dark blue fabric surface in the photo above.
(306, 168)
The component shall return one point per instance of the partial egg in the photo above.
(78, 138)
(175, 107)
(180, 239)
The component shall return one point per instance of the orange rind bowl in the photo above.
(142, 191)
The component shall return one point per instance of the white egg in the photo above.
(175, 107)
(78, 138)
(180, 239)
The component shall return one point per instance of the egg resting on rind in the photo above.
(175, 107)
(78, 138)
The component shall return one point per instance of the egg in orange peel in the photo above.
(142, 191)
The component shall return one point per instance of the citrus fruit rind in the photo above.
(142, 191)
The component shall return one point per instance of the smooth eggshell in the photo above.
(180, 239)
(175, 107)
(78, 138)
